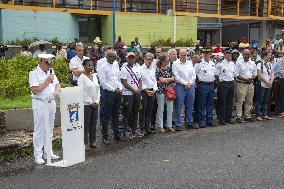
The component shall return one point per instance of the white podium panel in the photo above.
(72, 126)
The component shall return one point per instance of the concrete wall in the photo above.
(23, 119)
(18, 24)
(148, 28)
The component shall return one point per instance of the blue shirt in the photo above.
(71, 53)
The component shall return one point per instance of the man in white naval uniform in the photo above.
(44, 86)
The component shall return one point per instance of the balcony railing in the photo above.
(239, 9)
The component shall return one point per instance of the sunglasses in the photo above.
(48, 62)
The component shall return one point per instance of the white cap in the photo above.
(45, 56)
(218, 54)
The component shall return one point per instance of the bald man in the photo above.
(245, 74)
(109, 76)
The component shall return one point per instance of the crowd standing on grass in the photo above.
(167, 91)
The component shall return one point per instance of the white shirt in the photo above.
(125, 64)
(184, 72)
(205, 71)
(148, 78)
(245, 69)
(101, 62)
(36, 78)
(25, 53)
(109, 76)
(240, 57)
(37, 52)
(91, 89)
(76, 63)
(265, 74)
(131, 79)
(154, 64)
(226, 70)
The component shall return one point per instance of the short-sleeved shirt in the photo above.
(133, 76)
(37, 77)
(245, 69)
(76, 62)
(205, 71)
(165, 73)
(226, 70)
(266, 70)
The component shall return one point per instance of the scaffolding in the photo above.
(233, 9)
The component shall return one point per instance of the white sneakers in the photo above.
(39, 161)
(53, 157)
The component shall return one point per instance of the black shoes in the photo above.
(249, 119)
(221, 122)
(230, 122)
(189, 126)
(150, 131)
(212, 124)
(178, 129)
(239, 120)
(106, 141)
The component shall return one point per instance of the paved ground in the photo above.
(232, 156)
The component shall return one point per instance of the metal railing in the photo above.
(239, 9)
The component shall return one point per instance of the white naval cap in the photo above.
(46, 56)
(218, 54)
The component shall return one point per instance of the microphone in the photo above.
(50, 71)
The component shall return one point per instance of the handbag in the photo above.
(170, 93)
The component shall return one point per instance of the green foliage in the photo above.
(14, 80)
(14, 75)
(21, 42)
(183, 42)
(16, 103)
(62, 71)
(163, 42)
(55, 41)
(57, 144)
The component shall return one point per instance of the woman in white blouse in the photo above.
(89, 82)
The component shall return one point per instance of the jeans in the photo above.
(161, 100)
(110, 110)
(206, 103)
(262, 99)
(226, 100)
(90, 122)
(184, 96)
(146, 111)
(131, 105)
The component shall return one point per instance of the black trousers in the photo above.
(281, 96)
(226, 100)
(131, 105)
(154, 113)
(110, 111)
(90, 122)
(146, 112)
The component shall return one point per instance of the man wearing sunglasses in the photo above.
(44, 87)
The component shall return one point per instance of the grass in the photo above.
(16, 103)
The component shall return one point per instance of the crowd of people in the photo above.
(154, 89)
